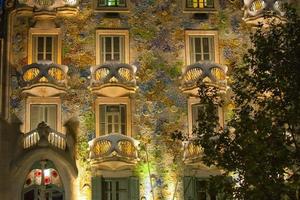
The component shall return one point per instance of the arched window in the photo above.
(43, 182)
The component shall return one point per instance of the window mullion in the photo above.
(112, 48)
(44, 48)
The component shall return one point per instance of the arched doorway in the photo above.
(43, 182)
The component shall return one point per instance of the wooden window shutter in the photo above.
(97, 189)
(189, 188)
(134, 188)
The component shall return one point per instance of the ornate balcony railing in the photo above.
(44, 136)
(120, 77)
(208, 72)
(192, 151)
(114, 147)
(43, 74)
(256, 11)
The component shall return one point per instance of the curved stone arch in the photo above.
(65, 167)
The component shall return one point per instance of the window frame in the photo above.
(2, 96)
(110, 33)
(192, 101)
(36, 32)
(201, 33)
(43, 101)
(114, 190)
(213, 9)
(110, 9)
(113, 101)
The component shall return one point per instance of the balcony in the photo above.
(59, 7)
(200, 6)
(44, 136)
(113, 151)
(113, 79)
(208, 72)
(43, 79)
(258, 11)
(192, 152)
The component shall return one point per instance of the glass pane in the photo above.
(205, 45)
(49, 44)
(197, 45)
(40, 56)
(29, 195)
(109, 128)
(40, 44)
(108, 44)
(51, 116)
(48, 56)
(116, 44)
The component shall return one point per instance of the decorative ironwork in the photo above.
(113, 73)
(256, 9)
(43, 72)
(114, 147)
(192, 151)
(44, 136)
(48, 4)
(204, 71)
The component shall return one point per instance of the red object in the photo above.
(37, 173)
(54, 174)
(47, 180)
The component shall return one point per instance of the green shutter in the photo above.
(97, 188)
(189, 188)
(134, 188)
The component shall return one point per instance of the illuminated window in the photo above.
(112, 119)
(200, 3)
(201, 45)
(44, 44)
(44, 48)
(38, 109)
(112, 3)
(201, 48)
(43, 112)
(112, 46)
(109, 188)
(113, 115)
(43, 181)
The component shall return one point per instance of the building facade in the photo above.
(93, 90)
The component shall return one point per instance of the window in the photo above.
(198, 188)
(38, 109)
(112, 49)
(43, 112)
(194, 109)
(201, 48)
(44, 45)
(111, 3)
(112, 46)
(112, 119)
(44, 177)
(44, 48)
(199, 3)
(115, 189)
(110, 188)
(113, 115)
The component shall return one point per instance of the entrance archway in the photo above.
(43, 182)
